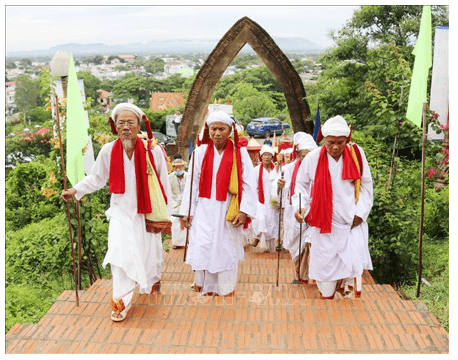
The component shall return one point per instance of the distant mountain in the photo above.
(177, 46)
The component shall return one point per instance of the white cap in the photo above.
(336, 126)
(219, 116)
(287, 151)
(266, 148)
(298, 136)
(307, 143)
(126, 106)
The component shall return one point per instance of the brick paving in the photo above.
(260, 318)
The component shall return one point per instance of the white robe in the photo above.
(344, 252)
(130, 247)
(291, 226)
(177, 186)
(267, 216)
(214, 244)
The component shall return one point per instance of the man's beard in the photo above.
(127, 144)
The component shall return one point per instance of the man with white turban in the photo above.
(265, 226)
(134, 237)
(222, 205)
(335, 184)
(292, 234)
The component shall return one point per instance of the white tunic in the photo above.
(292, 228)
(130, 246)
(214, 244)
(267, 216)
(344, 252)
(177, 186)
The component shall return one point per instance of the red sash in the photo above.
(293, 179)
(260, 183)
(117, 179)
(320, 214)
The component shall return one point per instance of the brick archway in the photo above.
(244, 31)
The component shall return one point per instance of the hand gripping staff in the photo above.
(280, 225)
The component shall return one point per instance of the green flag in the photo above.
(77, 137)
(423, 61)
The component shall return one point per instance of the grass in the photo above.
(436, 271)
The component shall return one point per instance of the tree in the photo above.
(365, 77)
(27, 93)
(155, 66)
(91, 84)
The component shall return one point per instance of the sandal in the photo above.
(156, 288)
(119, 310)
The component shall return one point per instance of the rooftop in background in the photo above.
(163, 101)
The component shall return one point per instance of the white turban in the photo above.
(298, 137)
(126, 106)
(267, 148)
(336, 126)
(287, 151)
(219, 116)
(307, 143)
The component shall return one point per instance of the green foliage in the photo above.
(436, 271)
(27, 197)
(27, 94)
(91, 85)
(27, 303)
(436, 221)
(39, 252)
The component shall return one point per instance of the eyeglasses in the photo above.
(129, 124)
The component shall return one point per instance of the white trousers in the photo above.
(221, 283)
(123, 286)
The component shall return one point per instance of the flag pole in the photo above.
(66, 203)
(422, 208)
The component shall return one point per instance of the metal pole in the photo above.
(422, 211)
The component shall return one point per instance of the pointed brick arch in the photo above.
(244, 31)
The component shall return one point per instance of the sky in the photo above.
(41, 27)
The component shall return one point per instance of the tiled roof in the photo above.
(163, 101)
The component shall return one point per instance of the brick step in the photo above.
(226, 337)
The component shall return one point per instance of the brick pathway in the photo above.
(260, 318)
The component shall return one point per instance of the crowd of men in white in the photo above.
(224, 204)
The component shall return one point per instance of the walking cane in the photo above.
(300, 241)
(280, 223)
(189, 209)
(75, 277)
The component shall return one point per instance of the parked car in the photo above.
(162, 138)
(266, 126)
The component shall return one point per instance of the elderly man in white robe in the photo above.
(286, 186)
(177, 182)
(336, 190)
(265, 226)
(134, 252)
(222, 204)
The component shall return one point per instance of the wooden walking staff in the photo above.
(280, 225)
(70, 231)
(189, 209)
(300, 242)
(422, 211)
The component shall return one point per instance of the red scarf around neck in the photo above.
(260, 183)
(223, 176)
(293, 179)
(320, 214)
(117, 179)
